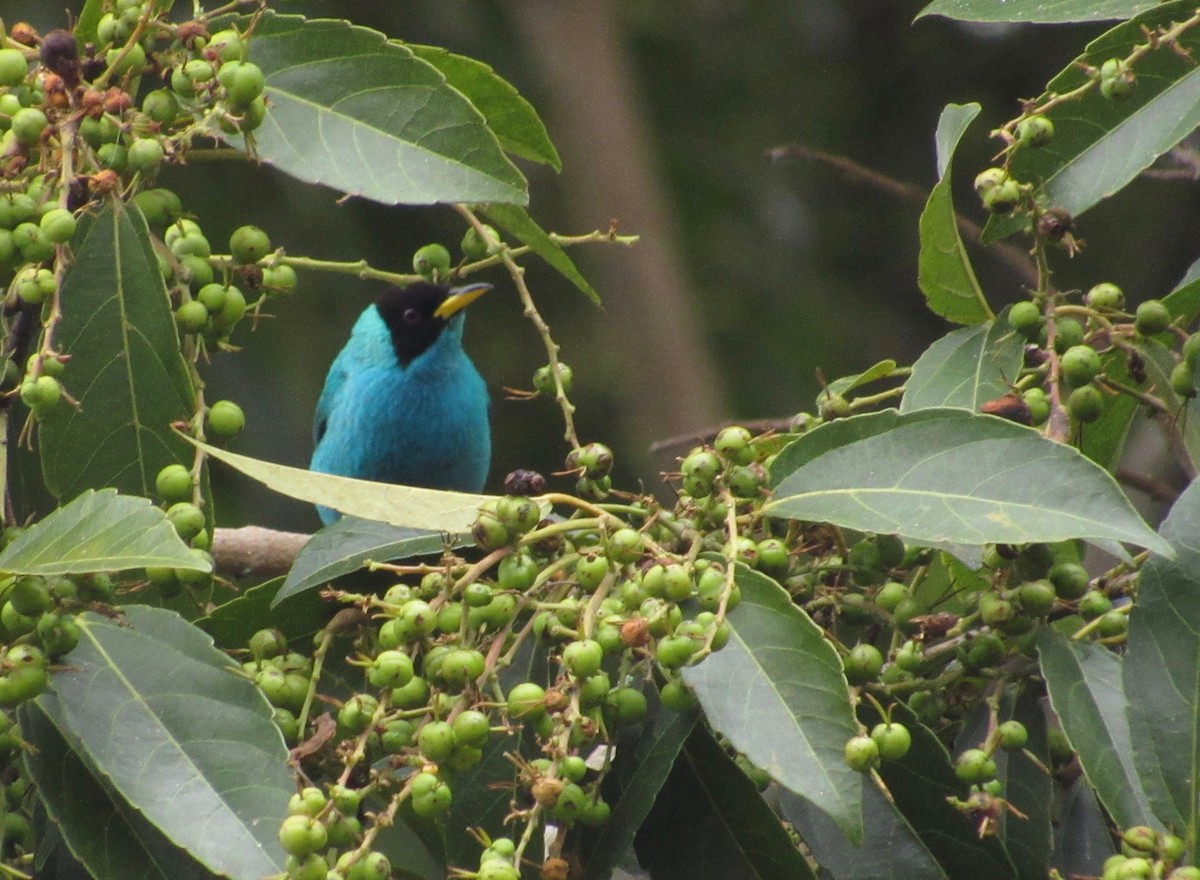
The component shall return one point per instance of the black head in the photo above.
(409, 313)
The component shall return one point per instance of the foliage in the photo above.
(896, 621)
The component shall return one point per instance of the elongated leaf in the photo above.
(512, 119)
(1184, 301)
(352, 111)
(85, 25)
(100, 531)
(1084, 681)
(125, 368)
(350, 543)
(412, 857)
(517, 221)
(951, 476)
(710, 823)
(404, 506)
(1161, 671)
(1044, 11)
(233, 623)
(639, 772)
(102, 831)
(179, 735)
(1028, 787)
(849, 383)
(920, 784)
(944, 271)
(965, 368)
(1082, 840)
(1101, 145)
(777, 692)
(1159, 361)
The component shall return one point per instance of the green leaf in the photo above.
(1162, 672)
(152, 686)
(100, 531)
(920, 784)
(126, 369)
(845, 384)
(640, 770)
(1103, 441)
(716, 822)
(350, 543)
(1028, 787)
(1082, 840)
(101, 830)
(1044, 11)
(1184, 301)
(233, 623)
(412, 858)
(1159, 361)
(1084, 683)
(890, 849)
(777, 692)
(516, 221)
(405, 506)
(948, 476)
(512, 119)
(352, 111)
(85, 26)
(965, 368)
(944, 272)
(1100, 145)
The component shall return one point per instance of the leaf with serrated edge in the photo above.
(511, 118)
(1084, 683)
(1161, 674)
(126, 370)
(100, 531)
(177, 733)
(951, 476)
(408, 506)
(1101, 145)
(1043, 11)
(348, 544)
(944, 272)
(965, 368)
(350, 110)
(517, 221)
(777, 692)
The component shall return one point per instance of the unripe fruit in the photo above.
(1181, 379)
(27, 125)
(1086, 404)
(526, 700)
(191, 317)
(58, 225)
(1094, 604)
(543, 379)
(1036, 597)
(893, 740)
(187, 518)
(432, 261)
(1112, 624)
(390, 669)
(1079, 364)
(13, 67)
(862, 664)
(249, 244)
(243, 82)
(42, 394)
(1012, 735)
(1003, 197)
(475, 246)
(279, 280)
(134, 60)
(300, 835)
(975, 766)
(989, 179)
(1026, 318)
(145, 155)
(1035, 131)
(733, 444)
(1117, 79)
(517, 571)
(225, 420)
(862, 753)
(625, 705)
(436, 740)
(675, 696)
(1039, 405)
(1107, 296)
(228, 45)
(472, 728)
(582, 659)
(1152, 317)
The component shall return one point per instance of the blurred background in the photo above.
(752, 272)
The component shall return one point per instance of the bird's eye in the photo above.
(412, 317)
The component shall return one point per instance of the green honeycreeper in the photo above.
(402, 402)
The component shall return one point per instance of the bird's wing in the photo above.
(339, 371)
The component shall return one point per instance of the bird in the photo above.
(403, 402)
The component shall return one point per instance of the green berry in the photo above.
(1152, 317)
(989, 179)
(975, 766)
(41, 394)
(1079, 364)
(472, 728)
(1086, 404)
(526, 700)
(243, 81)
(1106, 296)
(134, 60)
(228, 45)
(1036, 597)
(267, 643)
(475, 246)
(58, 225)
(191, 317)
(159, 206)
(1012, 735)
(249, 244)
(582, 658)
(225, 420)
(595, 460)
(1039, 405)
(1182, 382)
(1112, 624)
(676, 696)
(300, 835)
(1070, 580)
(673, 652)
(27, 125)
(436, 740)
(1035, 131)
(279, 280)
(145, 155)
(862, 753)
(161, 105)
(390, 669)
(517, 571)
(1003, 197)
(1117, 79)
(862, 664)
(893, 740)
(13, 67)
(733, 444)
(432, 261)
(625, 705)
(187, 518)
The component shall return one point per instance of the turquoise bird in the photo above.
(402, 402)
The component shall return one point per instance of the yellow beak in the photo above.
(459, 299)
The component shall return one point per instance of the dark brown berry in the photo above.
(60, 55)
(524, 483)
(1054, 224)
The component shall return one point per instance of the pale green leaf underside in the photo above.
(1043, 11)
(777, 692)
(100, 531)
(407, 506)
(352, 111)
(965, 368)
(948, 476)
(944, 271)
